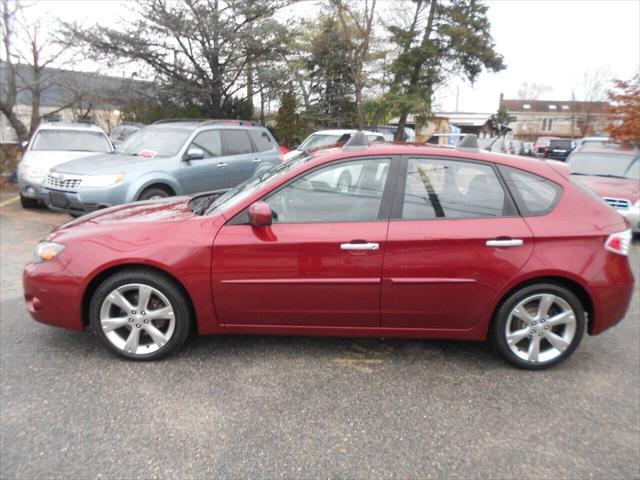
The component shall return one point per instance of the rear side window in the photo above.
(235, 142)
(261, 140)
(438, 188)
(534, 195)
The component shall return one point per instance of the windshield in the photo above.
(156, 142)
(605, 165)
(319, 140)
(70, 141)
(246, 189)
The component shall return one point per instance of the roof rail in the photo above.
(178, 120)
(469, 142)
(357, 141)
(229, 121)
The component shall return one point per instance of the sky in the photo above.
(549, 42)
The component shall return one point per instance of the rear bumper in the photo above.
(611, 297)
(52, 296)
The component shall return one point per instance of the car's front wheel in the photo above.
(140, 314)
(539, 326)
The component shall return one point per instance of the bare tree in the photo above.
(27, 61)
(593, 91)
(357, 25)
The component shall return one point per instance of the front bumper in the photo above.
(29, 189)
(52, 296)
(84, 200)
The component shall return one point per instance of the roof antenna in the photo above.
(470, 142)
(357, 141)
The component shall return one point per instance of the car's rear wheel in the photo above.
(539, 326)
(140, 314)
(28, 202)
(154, 193)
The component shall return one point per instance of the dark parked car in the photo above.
(559, 149)
(427, 242)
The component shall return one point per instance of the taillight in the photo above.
(619, 242)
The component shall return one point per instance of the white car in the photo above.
(323, 138)
(51, 145)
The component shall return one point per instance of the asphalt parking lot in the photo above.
(272, 407)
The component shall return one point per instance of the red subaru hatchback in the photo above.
(387, 240)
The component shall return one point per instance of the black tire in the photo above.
(28, 202)
(167, 287)
(498, 331)
(152, 192)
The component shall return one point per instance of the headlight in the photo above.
(98, 181)
(47, 251)
(34, 174)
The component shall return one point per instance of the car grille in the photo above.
(63, 182)
(619, 203)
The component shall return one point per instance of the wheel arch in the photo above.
(153, 179)
(100, 277)
(575, 287)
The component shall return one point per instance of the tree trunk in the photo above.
(20, 128)
(415, 75)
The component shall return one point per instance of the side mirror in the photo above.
(260, 214)
(25, 143)
(194, 153)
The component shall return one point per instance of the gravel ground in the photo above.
(273, 407)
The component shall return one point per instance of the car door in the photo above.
(208, 173)
(240, 158)
(318, 264)
(455, 239)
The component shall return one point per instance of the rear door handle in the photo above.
(511, 242)
(222, 164)
(359, 246)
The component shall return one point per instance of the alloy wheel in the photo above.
(540, 328)
(137, 319)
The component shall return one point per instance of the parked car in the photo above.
(122, 132)
(541, 144)
(165, 159)
(53, 144)
(389, 132)
(559, 149)
(324, 138)
(614, 175)
(431, 242)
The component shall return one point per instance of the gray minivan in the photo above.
(164, 159)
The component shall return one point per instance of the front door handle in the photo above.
(359, 246)
(257, 160)
(222, 164)
(510, 242)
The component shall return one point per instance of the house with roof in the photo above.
(530, 119)
(69, 96)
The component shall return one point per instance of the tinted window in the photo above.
(560, 144)
(235, 142)
(261, 139)
(345, 192)
(70, 141)
(534, 195)
(209, 142)
(451, 189)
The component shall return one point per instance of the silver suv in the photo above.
(164, 159)
(53, 144)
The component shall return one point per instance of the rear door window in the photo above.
(437, 188)
(235, 142)
(534, 195)
(261, 140)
